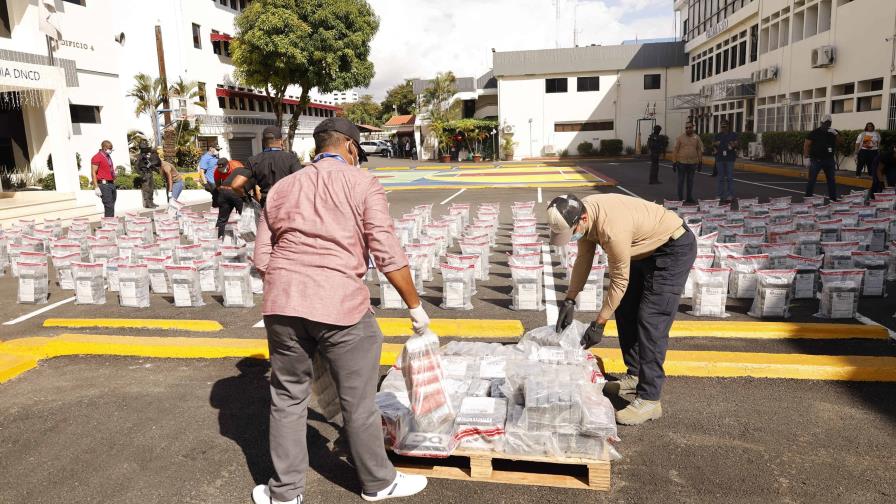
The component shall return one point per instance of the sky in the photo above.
(418, 38)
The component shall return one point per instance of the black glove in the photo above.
(592, 335)
(674, 167)
(566, 315)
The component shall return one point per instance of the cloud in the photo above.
(419, 38)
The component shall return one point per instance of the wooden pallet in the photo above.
(583, 474)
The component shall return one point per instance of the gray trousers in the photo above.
(354, 356)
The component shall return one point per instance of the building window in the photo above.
(5, 31)
(76, 2)
(575, 127)
(201, 92)
(652, 81)
(222, 103)
(555, 85)
(269, 106)
(586, 84)
(251, 105)
(754, 43)
(870, 103)
(197, 37)
(84, 114)
(231, 103)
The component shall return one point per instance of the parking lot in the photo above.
(138, 429)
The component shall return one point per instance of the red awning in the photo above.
(221, 37)
(226, 93)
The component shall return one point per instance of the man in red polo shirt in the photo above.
(102, 178)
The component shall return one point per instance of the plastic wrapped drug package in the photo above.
(421, 367)
(805, 282)
(808, 243)
(90, 286)
(778, 214)
(455, 225)
(522, 209)
(65, 247)
(780, 201)
(34, 243)
(773, 294)
(547, 336)
(801, 209)
(396, 416)
(875, 265)
(879, 229)
(425, 211)
(736, 217)
(840, 291)
(528, 288)
(427, 251)
(185, 285)
(719, 211)
(527, 248)
(390, 299)
(441, 235)
(830, 229)
(62, 263)
(760, 209)
(530, 259)
(404, 229)
(838, 255)
(787, 226)
(209, 246)
(158, 277)
(862, 235)
(209, 274)
(865, 212)
(695, 224)
(746, 203)
(727, 232)
(102, 252)
(710, 292)
(705, 243)
(805, 222)
(480, 424)
(777, 253)
(465, 261)
(849, 218)
(111, 271)
(519, 441)
(702, 261)
(34, 283)
(523, 238)
(456, 289)
(417, 262)
(743, 275)
(144, 250)
(891, 263)
(598, 414)
(186, 254)
(126, 246)
(756, 224)
(237, 285)
(751, 240)
(815, 201)
(672, 205)
(706, 204)
(723, 251)
(591, 298)
(463, 211)
(233, 253)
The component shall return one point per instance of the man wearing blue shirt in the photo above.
(208, 163)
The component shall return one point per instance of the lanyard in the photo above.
(326, 155)
(272, 149)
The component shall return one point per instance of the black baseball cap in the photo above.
(564, 212)
(344, 126)
(272, 133)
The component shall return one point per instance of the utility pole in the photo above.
(163, 76)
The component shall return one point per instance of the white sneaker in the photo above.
(262, 495)
(404, 485)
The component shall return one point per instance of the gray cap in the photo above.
(344, 126)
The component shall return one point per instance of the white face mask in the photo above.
(108, 151)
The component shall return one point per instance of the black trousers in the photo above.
(648, 308)
(147, 189)
(108, 195)
(865, 160)
(877, 185)
(227, 202)
(654, 168)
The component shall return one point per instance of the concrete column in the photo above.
(59, 143)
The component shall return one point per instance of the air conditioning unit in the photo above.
(755, 150)
(549, 150)
(756, 76)
(765, 73)
(508, 129)
(823, 56)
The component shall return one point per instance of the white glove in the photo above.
(96, 190)
(419, 319)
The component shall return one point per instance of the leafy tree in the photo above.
(323, 44)
(186, 90)
(149, 94)
(363, 111)
(400, 100)
(437, 100)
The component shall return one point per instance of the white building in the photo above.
(68, 104)
(779, 65)
(552, 100)
(340, 97)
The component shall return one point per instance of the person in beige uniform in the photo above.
(650, 253)
(687, 160)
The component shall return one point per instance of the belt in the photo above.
(678, 233)
(105, 181)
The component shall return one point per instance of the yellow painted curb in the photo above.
(168, 324)
(764, 365)
(547, 185)
(457, 328)
(393, 168)
(390, 353)
(14, 365)
(792, 173)
(768, 330)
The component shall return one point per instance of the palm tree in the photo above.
(186, 90)
(149, 95)
(438, 94)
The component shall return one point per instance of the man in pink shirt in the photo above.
(318, 228)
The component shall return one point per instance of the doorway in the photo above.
(13, 142)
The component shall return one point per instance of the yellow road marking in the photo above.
(546, 185)
(393, 168)
(14, 365)
(768, 330)
(457, 328)
(108, 323)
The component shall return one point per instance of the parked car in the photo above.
(376, 147)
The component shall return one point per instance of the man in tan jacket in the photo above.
(650, 253)
(687, 159)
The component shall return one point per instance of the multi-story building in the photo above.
(552, 100)
(779, 65)
(340, 97)
(62, 98)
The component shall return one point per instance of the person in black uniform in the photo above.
(884, 170)
(147, 164)
(819, 150)
(268, 166)
(656, 144)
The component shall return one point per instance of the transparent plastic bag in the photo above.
(777, 253)
(728, 232)
(159, 280)
(862, 235)
(808, 243)
(465, 261)
(233, 253)
(237, 285)
(840, 291)
(879, 229)
(456, 287)
(185, 285)
(838, 255)
(710, 292)
(570, 338)
(479, 424)
(111, 271)
(528, 288)
(875, 265)
(395, 411)
(90, 285)
(248, 223)
(34, 282)
(421, 367)
(751, 240)
(746, 203)
(723, 251)
(705, 243)
(417, 262)
(805, 282)
(390, 299)
(209, 274)
(591, 298)
(186, 254)
(773, 294)
(891, 263)
(62, 263)
(702, 261)
(743, 275)
(133, 285)
(830, 230)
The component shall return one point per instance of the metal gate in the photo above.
(240, 149)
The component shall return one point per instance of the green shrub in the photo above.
(187, 157)
(48, 182)
(611, 147)
(629, 150)
(190, 183)
(745, 138)
(84, 182)
(124, 180)
(585, 148)
(707, 139)
(564, 153)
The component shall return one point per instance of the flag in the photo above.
(46, 21)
